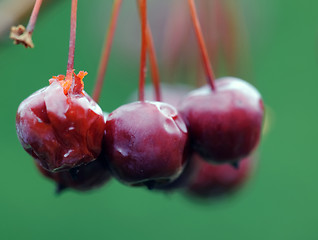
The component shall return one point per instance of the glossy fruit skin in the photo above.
(145, 143)
(224, 126)
(184, 179)
(61, 131)
(83, 178)
(171, 94)
(212, 180)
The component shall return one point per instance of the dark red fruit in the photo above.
(60, 125)
(217, 180)
(83, 178)
(145, 143)
(224, 125)
(171, 94)
(183, 180)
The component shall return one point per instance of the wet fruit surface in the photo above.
(60, 130)
(145, 141)
(224, 125)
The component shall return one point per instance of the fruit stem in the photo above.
(22, 35)
(142, 72)
(34, 16)
(153, 64)
(204, 53)
(70, 62)
(227, 31)
(152, 59)
(106, 50)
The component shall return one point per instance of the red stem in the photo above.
(106, 50)
(142, 72)
(70, 63)
(209, 25)
(34, 16)
(153, 60)
(204, 53)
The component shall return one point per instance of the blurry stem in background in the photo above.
(242, 42)
(153, 59)
(143, 51)
(34, 16)
(227, 29)
(20, 35)
(204, 53)
(13, 11)
(175, 34)
(106, 50)
(208, 17)
(70, 62)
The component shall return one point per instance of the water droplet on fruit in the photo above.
(123, 151)
(68, 153)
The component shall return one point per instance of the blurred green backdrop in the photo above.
(280, 202)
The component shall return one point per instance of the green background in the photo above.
(280, 201)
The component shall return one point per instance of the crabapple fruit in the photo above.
(83, 178)
(60, 125)
(145, 143)
(216, 180)
(224, 125)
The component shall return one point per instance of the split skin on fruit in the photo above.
(224, 125)
(145, 143)
(60, 126)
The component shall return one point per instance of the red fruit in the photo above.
(145, 143)
(224, 125)
(82, 178)
(171, 94)
(216, 180)
(183, 180)
(60, 125)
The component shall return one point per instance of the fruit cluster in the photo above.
(202, 141)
